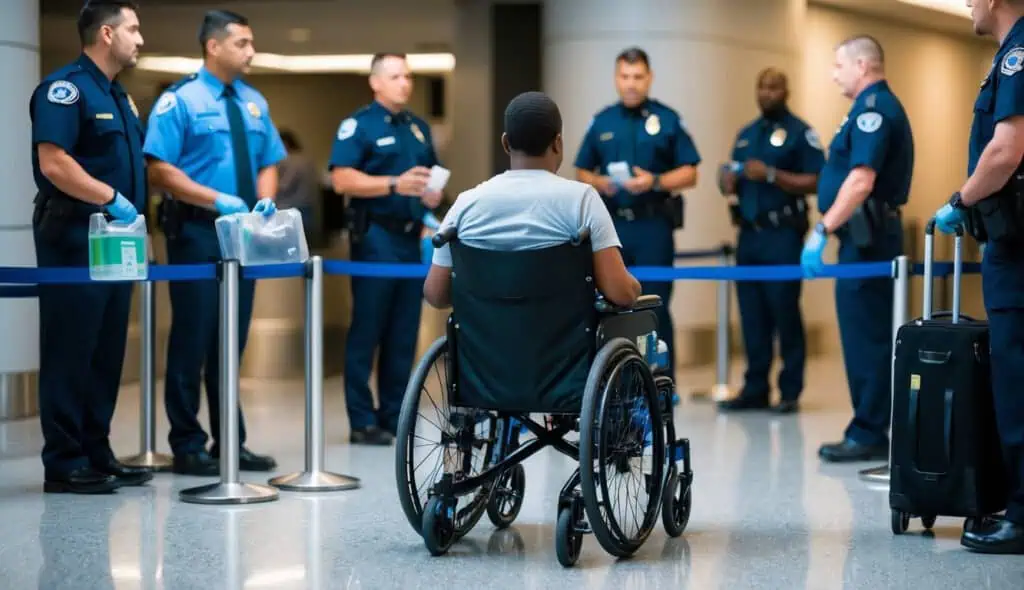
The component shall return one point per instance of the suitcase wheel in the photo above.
(928, 522)
(900, 522)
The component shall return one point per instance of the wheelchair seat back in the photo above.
(522, 327)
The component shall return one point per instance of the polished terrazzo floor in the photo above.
(766, 514)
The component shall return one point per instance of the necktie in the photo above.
(244, 176)
(139, 186)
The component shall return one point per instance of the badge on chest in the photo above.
(652, 125)
(778, 137)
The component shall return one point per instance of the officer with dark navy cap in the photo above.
(86, 158)
(991, 206)
(636, 153)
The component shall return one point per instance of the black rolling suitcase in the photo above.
(946, 459)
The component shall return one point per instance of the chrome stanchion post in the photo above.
(148, 457)
(229, 490)
(314, 478)
(721, 392)
(901, 294)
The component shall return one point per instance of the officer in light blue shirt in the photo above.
(212, 145)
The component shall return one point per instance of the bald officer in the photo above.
(381, 161)
(213, 146)
(862, 187)
(644, 140)
(776, 161)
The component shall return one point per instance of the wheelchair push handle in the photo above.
(443, 237)
(642, 302)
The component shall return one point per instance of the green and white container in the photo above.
(117, 250)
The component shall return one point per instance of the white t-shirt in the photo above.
(527, 210)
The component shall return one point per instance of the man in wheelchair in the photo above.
(546, 319)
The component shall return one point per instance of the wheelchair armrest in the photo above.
(641, 303)
(443, 237)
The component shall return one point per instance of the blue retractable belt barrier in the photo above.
(20, 282)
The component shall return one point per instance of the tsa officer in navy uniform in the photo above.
(647, 137)
(381, 161)
(86, 158)
(864, 183)
(991, 195)
(775, 164)
(213, 146)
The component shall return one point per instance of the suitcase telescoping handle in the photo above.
(929, 256)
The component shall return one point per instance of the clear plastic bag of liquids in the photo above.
(117, 250)
(253, 239)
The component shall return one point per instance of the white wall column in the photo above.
(705, 57)
(19, 329)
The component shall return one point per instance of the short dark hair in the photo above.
(215, 25)
(381, 56)
(633, 55)
(289, 140)
(532, 121)
(98, 13)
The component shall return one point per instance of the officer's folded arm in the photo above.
(998, 161)
(855, 190)
(173, 180)
(69, 177)
(355, 183)
(678, 179)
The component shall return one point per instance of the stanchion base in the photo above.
(315, 481)
(875, 474)
(155, 461)
(721, 393)
(228, 493)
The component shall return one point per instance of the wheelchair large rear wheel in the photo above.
(431, 442)
(622, 449)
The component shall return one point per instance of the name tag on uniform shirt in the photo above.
(386, 141)
(104, 115)
(606, 136)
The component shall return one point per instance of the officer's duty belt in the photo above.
(644, 210)
(396, 225)
(188, 212)
(792, 215)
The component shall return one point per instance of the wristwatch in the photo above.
(820, 228)
(956, 201)
(770, 175)
(392, 185)
(656, 185)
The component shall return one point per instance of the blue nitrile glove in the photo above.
(265, 206)
(227, 204)
(810, 257)
(950, 216)
(121, 208)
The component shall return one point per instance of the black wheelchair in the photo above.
(529, 334)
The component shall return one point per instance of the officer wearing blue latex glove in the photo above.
(122, 209)
(861, 188)
(228, 204)
(214, 147)
(951, 216)
(86, 159)
(265, 206)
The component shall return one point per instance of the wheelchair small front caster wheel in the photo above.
(676, 502)
(507, 497)
(438, 526)
(900, 522)
(568, 541)
(928, 521)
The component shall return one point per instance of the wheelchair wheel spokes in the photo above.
(435, 440)
(622, 445)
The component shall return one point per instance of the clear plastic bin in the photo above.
(118, 251)
(253, 239)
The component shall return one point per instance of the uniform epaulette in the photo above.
(182, 82)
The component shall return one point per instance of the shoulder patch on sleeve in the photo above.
(347, 129)
(1013, 62)
(869, 122)
(812, 139)
(62, 92)
(167, 101)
